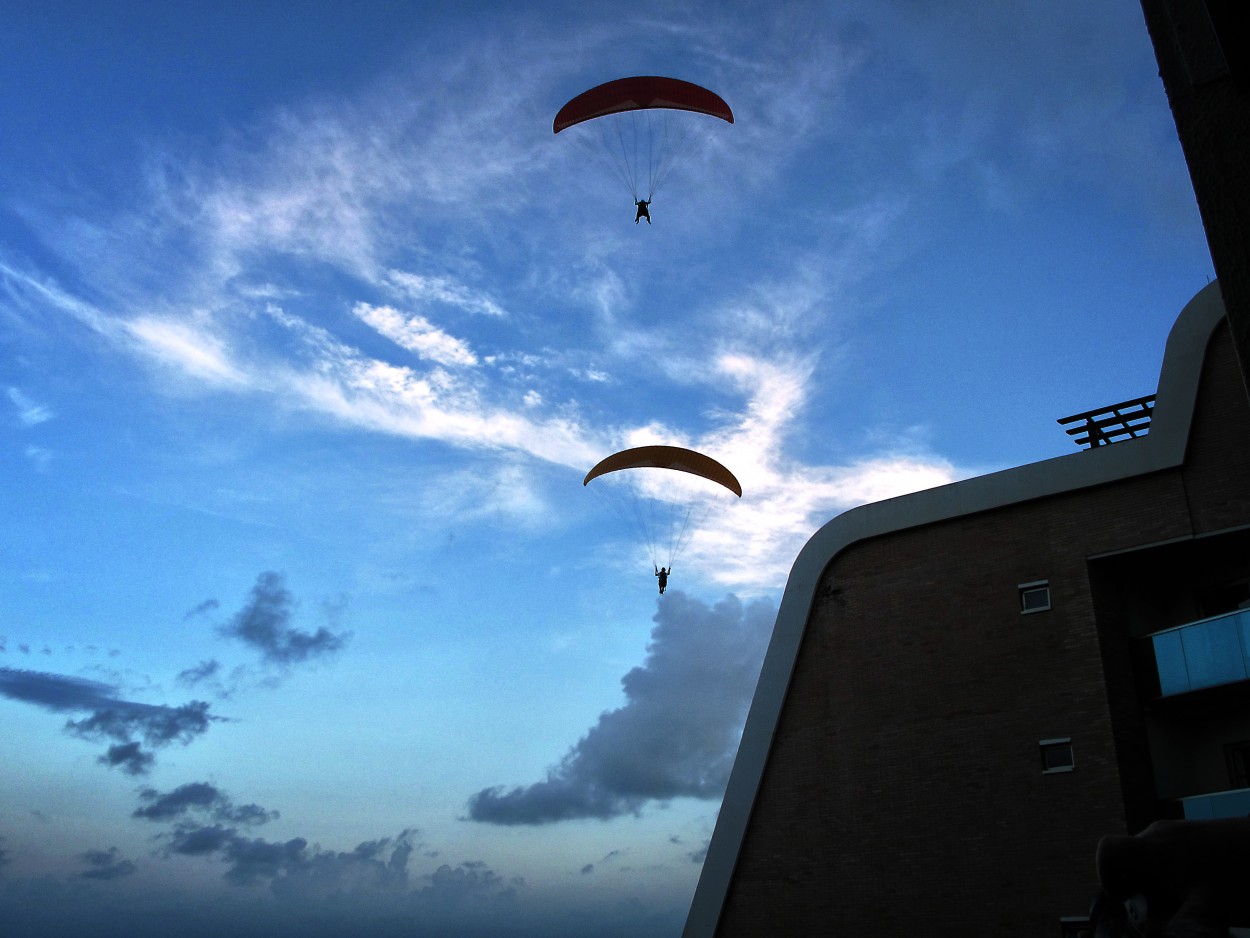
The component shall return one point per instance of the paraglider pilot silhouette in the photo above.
(663, 517)
(644, 124)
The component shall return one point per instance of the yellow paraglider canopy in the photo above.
(667, 457)
(664, 510)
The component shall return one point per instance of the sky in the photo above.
(310, 328)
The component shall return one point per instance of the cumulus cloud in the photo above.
(105, 864)
(123, 721)
(375, 866)
(264, 624)
(675, 736)
(465, 882)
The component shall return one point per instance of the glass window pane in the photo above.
(1170, 658)
(1213, 653)
(1057, 756)
(1243, 632)
(1036, 598)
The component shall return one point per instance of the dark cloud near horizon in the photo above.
(250, 859)
(158, 725)
(204, 822)
(105, 865)
(123, 721)
(293, 868)
(264, 623)
(201, 797)
(53, 691)
(677, 733)
(130, 757)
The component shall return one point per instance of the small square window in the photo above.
(1057, 755)
(1034, 597)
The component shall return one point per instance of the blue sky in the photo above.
(310, 328)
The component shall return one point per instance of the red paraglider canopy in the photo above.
(641, 93)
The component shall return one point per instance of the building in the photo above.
(1203, 51)
(968, 686)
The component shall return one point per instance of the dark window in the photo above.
(1237, 755)
(1057, 755)
(1034, 597)
(1221, 599)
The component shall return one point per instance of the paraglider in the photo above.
(643, 126)
(664, 508)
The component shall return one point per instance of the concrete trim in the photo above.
(1163, 448)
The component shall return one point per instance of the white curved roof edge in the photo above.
(1162, 448)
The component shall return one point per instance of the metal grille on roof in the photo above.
(1128, 419)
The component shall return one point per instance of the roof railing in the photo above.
(1128, 419)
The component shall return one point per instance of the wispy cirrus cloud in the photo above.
(29, 412)
(341, 381)
(416, 334)
(368, 187)
(755, 540)
(192, 349)
(749, 543)
(446, 290)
